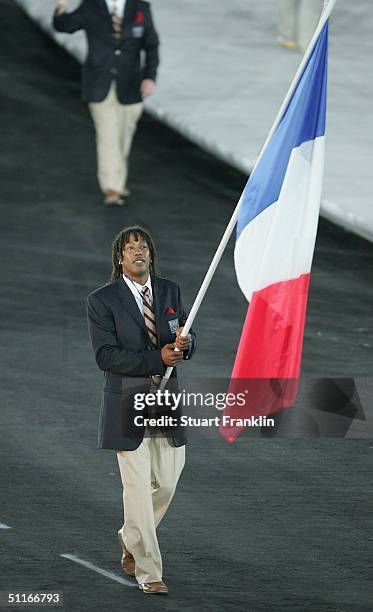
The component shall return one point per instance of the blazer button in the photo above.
(113, 71)
(117, 52)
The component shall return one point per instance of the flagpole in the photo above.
(328, 8)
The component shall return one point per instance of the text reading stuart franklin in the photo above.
(173, 401)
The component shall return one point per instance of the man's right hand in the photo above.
(170, 357)
(61, 6)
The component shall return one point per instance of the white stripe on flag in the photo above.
(278, 244)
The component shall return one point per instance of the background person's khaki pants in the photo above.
(309, 16)
(298, 20)
(115, 125)
(149, 477)
(288, 19)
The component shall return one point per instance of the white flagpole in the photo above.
(328, 7)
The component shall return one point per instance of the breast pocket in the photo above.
(168, 325)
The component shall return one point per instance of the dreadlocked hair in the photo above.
(121, 240)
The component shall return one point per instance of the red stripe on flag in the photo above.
(272, 336)
(267, 366)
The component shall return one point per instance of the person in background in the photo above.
(297, 22)
(115, 79)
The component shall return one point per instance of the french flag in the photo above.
(276, 230)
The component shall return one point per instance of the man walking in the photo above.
(135, 323)
(114, 79)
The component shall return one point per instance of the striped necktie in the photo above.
(149, 316)
(149, 319)
(117, 22)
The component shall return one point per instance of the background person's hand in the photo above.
(61, 6)
(182, 343)
(170, 357)
(147, 88)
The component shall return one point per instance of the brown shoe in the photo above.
(127, 561)
(113, 198)
(154, 587)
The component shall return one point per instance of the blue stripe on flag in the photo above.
(303, 120)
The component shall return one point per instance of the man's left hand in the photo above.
(182, 342)
(147, 88)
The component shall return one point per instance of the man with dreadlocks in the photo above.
(135, 323)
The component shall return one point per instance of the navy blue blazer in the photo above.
(109, 58)
(124, 352)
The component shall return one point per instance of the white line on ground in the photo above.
(2, 526)
(98, 570)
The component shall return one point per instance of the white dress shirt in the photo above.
(119, 6)
(135, 289)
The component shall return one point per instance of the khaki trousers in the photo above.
(288, 19)
(298, 20)
(149, 477)
(309, 17)
(115, 126)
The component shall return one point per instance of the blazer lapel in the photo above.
(129, 303)
(103, 8)
(158, 305)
